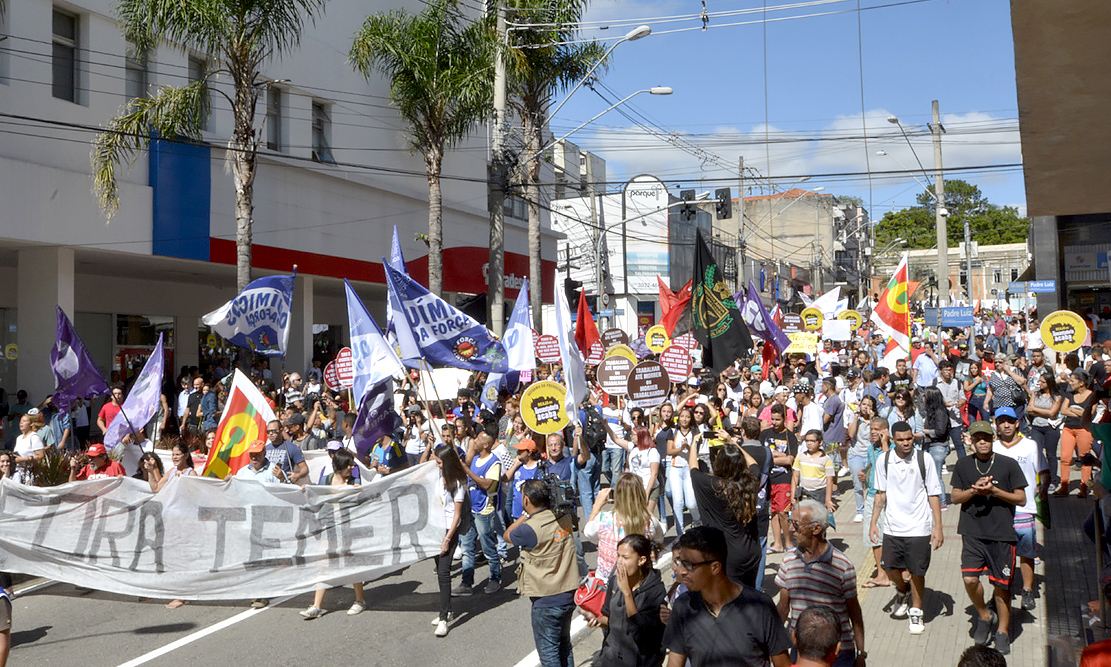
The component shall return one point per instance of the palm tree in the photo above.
(440, 71)
(541, 62)
(239, 36)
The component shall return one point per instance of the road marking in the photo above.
(578, 624)
(32, 586)
(189, 639)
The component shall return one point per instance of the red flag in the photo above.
(674, 305)
(891, 314)
(586, 331)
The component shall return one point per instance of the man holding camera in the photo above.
(548, 572)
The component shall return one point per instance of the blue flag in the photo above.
(397, 260)
(371, 356)
(760, 322)
(376, 418)
(519, 345)
(75, 373)
(444, 335)
(258, 318)
(142, 401)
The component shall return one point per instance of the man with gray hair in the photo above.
(816, 573)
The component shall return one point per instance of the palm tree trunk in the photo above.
(433, 161)
(532, 125)
(244, 164)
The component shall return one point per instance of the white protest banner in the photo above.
(207, 539)
(837, 330)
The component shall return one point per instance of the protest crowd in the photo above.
(744, 454)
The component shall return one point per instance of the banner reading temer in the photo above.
(207, 539)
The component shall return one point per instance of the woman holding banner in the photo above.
(183, 465)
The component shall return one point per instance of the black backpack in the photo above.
(921, 455)
(594, 429)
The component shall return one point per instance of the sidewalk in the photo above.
(1071, 581)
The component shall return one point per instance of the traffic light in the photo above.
(725, 203)
(571, 289)
(688, 210)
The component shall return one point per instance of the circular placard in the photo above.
(345, 368)
(811, 318)
(622, 351)
(648, 384)
(687, 340)
(611, 337)
(331, 378)
(656, 338)
(613, 374)
(596, 355)
(1063, 331)
(855, 319)
(547, 348)
(542, 407)
(676, 359)
(792, 323)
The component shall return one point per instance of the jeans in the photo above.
(976, 410)
(955, 433)
(588, 480)
(443, 577)
(682, 495)
(763, 563)
(484, 528)
(939, 451)
(856, 464)
(665, 493)
(613, 462)
(1047, 438)
(551, 630)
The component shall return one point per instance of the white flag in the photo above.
(574, 373)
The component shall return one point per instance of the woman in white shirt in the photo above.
(28, 449)
(679, 472)
(457, 517)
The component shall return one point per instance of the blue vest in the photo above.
(478, 495)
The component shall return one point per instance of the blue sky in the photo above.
(959, 52)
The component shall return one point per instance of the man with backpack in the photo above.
(909, 491)
(586, 456)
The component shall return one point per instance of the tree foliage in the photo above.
(989, 224)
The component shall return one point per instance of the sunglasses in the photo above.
(689, 565)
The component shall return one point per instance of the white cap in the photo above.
(767, 389)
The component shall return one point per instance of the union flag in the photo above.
(892, 314)
(244, 420)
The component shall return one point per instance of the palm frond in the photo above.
(171, 112)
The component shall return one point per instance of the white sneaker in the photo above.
(450, 618)
(441, 629)
(917, 625)
(859, 518)
(312, 612)
(844, 471)
(902, 605)
(356, 608)
(458, 554)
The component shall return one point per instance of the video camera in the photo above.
(561, 492)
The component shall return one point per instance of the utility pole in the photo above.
(498, 179)
(939, 192)
(599, 241)
(968, 256)
(743, 282)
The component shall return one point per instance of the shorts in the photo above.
(1027, 546)
(906, 553)
(869, 509)
(780, 497)
(993, 558)
(5, 614)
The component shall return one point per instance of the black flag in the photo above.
(715, 318)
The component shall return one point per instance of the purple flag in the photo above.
(760, 322)
(75, 373)
(142, 401)
(376, 417)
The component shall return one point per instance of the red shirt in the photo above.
(108, 412)
(113, 469)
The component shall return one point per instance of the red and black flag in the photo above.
(715, 318)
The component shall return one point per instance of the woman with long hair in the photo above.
(860, 439)
(902, 410)
(727, 501)
(935, 429)
(343, 474)
(629, 515)
(7, 464)
(149, 460)
(753, 404)
(183, 465)
(977, 389)
(457, 516)
(663, 438)
(632, 609)
(642, 459)
(685, 439)
(28, 449)
(1044, 411)
(730, 411)
(1075, 436)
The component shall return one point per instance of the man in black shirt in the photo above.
(988, 488)
(784, 447)
(900, 379)
(720, 622)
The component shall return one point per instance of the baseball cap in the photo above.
(333, 445)
(295, 419)
(756, 368)
(766, 389)
(782, 389)
(802, 386)
(528, 444)
(981, 427)
(1006, 411)
(257, 447)
(412, 410)
(732, 372)
(852, 372)
(96, 449)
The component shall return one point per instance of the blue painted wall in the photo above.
(181, 177)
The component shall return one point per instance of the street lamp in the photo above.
(633, 35)
(883, 153)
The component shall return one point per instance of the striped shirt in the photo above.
(828, 580)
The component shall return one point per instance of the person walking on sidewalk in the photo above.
(988, 486)
(909, 490)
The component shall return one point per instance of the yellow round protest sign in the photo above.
(656, 339)
(1063, 331)
(542, 407)
(623, 350)
(855, 319)
(11, 351)
(811, 318)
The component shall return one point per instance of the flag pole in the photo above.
(432, 417)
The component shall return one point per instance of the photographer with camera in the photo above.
(547, 574)
(556, 471)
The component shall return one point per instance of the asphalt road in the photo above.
(63, 625)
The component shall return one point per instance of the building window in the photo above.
(198, 71)
(64, 56)
(516, 207)
(997, 276)
(1014, 275)
(135, 73)
(321, 133)
(274, 118)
